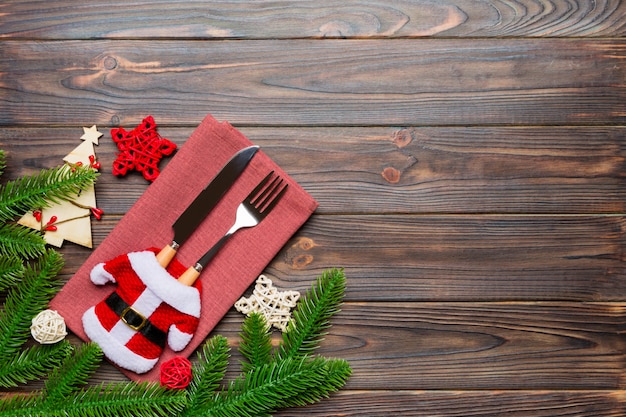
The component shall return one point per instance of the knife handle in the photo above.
(165, 256)
(190, 276)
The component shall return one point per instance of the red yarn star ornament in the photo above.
(176, 373)
(141, 149)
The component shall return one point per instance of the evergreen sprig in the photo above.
(3, 162)
(23, 302)
(44, 188)
(11, 272)
(20, 242)
(31, 363)
(73, 373)
(287, 377)
(256, 342)
(63, 395)
(311, 318)
(207, 376)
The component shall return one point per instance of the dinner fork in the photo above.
(250, 212)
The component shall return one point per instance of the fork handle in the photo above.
(192, 273)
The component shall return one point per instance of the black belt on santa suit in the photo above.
(135, 320)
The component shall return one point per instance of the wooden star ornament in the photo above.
(266, 299)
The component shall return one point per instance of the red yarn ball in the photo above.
(176, 373)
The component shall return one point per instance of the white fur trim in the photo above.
(100, 276)
(178, 340)
(113, 350)
(183, 298)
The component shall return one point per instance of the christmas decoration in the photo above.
(141, 149)
(70, 220)
(48, 327)
(290, 375)
(28, 271)
(267, 300)
(149, 308)
(176, 373)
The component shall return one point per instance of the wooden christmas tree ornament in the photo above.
(70, 220)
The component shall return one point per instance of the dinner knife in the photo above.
(208, 198)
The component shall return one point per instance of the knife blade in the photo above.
(202, 205)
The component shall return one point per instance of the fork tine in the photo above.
(276, 198)
(259, 200)
(258, 188)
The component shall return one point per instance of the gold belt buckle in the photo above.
(135, 327)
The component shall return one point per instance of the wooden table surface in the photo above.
(468, 158)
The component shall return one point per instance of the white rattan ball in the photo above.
(48, 327)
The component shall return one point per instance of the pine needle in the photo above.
(3, 162)
(207, 375)
(73, 372)
(129, 399)
(256, 342)
(121, 400)
(11, 272)
(32, 363)
(311, 318)
(19, 241)
(40, 190)
(269, 387)
(26, 300)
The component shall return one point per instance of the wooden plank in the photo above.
(467, 404)
(441, 170)
(464, 258)
(323, 19)
(306, 82)
(481, 345)
(408, 257)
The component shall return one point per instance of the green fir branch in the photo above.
(311, 318)
(3, 162)
(126, 399)
(32, 363)
(256, 342)
(11, 272)
(20, 241)
(130, 399)
(44, 188)
(268, 388)
(10, 404)
(207, 375)
(73, 373)
(26, 300)
(336, 374)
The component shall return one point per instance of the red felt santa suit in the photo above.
(148, 309)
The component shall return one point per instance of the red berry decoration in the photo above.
(176, 373)
(97, 213)
(52, 220)
(92, 162)
(37, 215)
(51, 228)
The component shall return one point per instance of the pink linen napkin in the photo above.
(149, 224)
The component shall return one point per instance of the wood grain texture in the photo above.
(468, 157)
(395, 258)
(439, 170)
(455, 404)
(321, 19)
(308, 82)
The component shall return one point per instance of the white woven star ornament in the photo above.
(266, 299)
